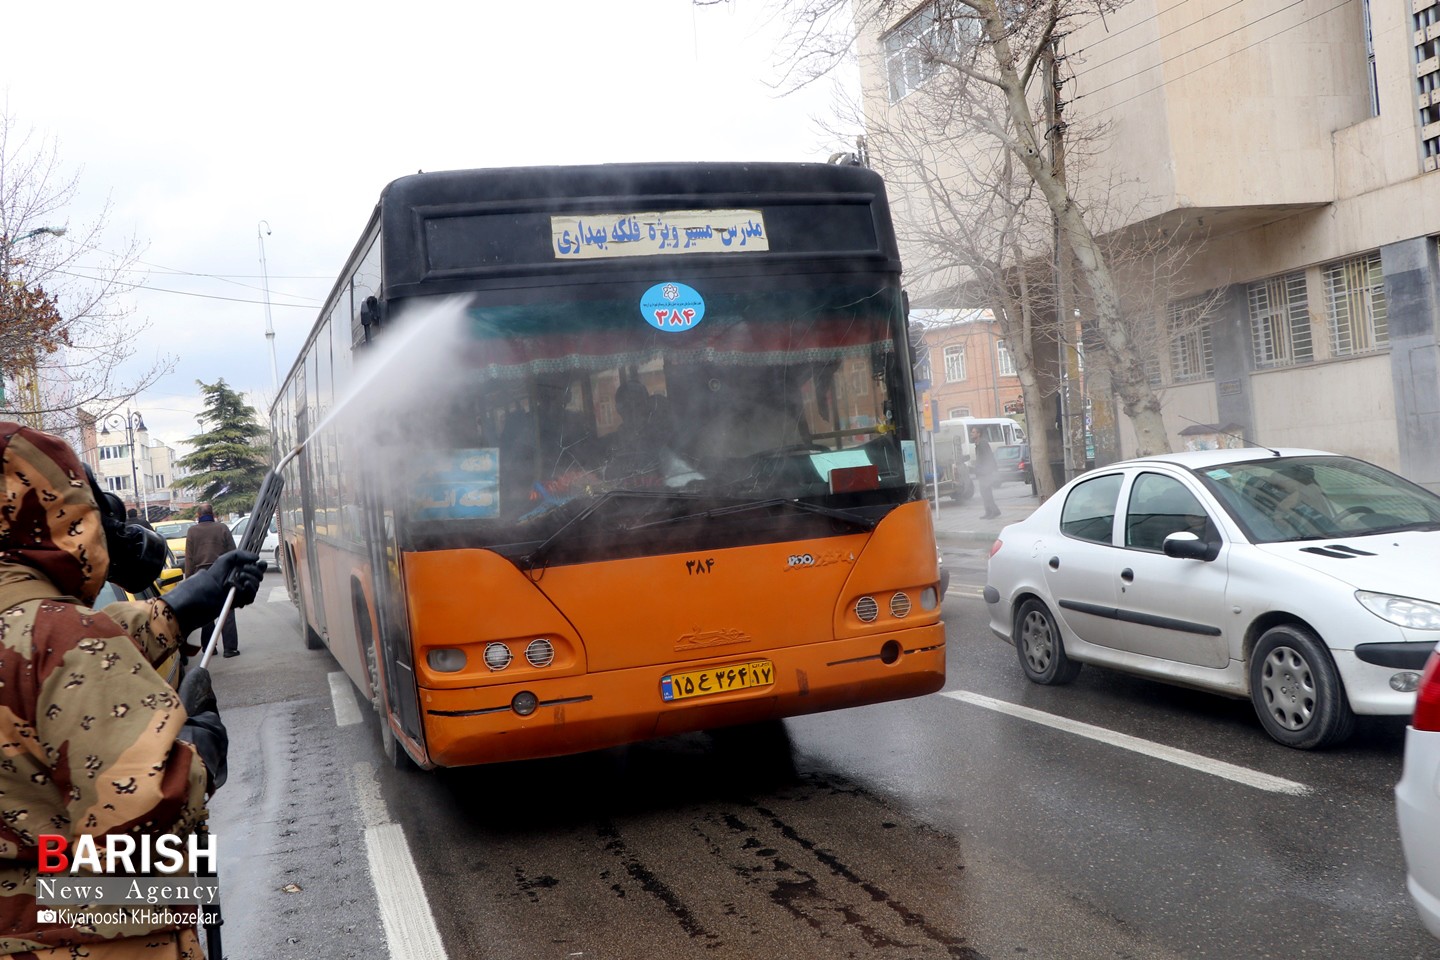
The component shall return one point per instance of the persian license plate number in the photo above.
(703, 683)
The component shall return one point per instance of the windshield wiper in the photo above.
(537, 556)
(864, 523)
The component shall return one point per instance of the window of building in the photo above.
(114, 452)
(1427, 81)
(955, 363)
(116, 484)
(1004, 362)
(1191, 357)
(1355, 302)
(912, 48)
(1280, 321)
(957, 412)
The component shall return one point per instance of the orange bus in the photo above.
(666, 480)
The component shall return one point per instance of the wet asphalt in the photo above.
(928, 828)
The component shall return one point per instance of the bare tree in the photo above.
(65, 332)
(982, 103)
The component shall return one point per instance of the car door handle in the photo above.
(1054, 563)
(1127, 575)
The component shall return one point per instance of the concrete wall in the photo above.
(1329, 406)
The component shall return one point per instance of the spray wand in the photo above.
(260, 516)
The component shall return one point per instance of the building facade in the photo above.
(1300, 144)
(131, 464)
(968, 367)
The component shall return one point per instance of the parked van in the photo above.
(956, 454)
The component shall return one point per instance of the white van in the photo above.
(955, 452)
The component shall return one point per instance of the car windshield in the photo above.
(1310, 498)
(174, 529)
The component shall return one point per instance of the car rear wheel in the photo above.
(1297, 691)
(1039, 646)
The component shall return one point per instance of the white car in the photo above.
(270, 549)
(1417, 799)
(1300, 579)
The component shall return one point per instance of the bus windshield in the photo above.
(787, 393)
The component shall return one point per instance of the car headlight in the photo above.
(1401, 611)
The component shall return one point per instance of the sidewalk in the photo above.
(963, 523)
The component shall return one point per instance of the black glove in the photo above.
(204, 729)
(197, 599)
(207, 734)
(197, 694)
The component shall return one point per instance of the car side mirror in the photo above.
(1184, 545)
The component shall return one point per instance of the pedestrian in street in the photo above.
(96, 742)
(205, 542)
(134, 517)
(985, 470)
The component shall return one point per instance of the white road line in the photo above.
(342, 696)
(1184, 758)
(410, 929)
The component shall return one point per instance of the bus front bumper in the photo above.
(592, 711)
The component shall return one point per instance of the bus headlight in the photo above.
(446, 659)
(497, 656)
(540, 653)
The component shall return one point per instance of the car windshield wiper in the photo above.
(537, 556)
(864, 523)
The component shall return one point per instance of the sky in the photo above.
(197, 122)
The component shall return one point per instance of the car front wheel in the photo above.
(1297, 691)
(1039, 647)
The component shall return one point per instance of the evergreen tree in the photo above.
(227, 465)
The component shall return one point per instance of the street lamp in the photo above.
(133, 423)
(269, 327)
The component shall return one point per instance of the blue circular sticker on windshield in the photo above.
(672, 307)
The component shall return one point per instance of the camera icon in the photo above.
(46, 916)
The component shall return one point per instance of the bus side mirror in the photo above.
(372, 314)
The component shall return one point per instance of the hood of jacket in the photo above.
(49, 520)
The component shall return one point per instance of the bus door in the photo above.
(396, 653)
(314, 606)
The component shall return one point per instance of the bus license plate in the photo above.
(703, 683)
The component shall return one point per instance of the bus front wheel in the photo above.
(394, 752)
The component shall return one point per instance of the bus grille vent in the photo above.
(899, 605)
(867, 609)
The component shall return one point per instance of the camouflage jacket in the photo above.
(87, 726)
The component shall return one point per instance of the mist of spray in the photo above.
(413, 359)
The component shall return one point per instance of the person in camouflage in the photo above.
(92, 739)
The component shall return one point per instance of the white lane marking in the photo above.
(277, 594)
(342, 695)
(410, 929)
(1184, 758)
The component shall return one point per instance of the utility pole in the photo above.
(1071, 390)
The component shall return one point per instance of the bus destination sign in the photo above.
(653, 234)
